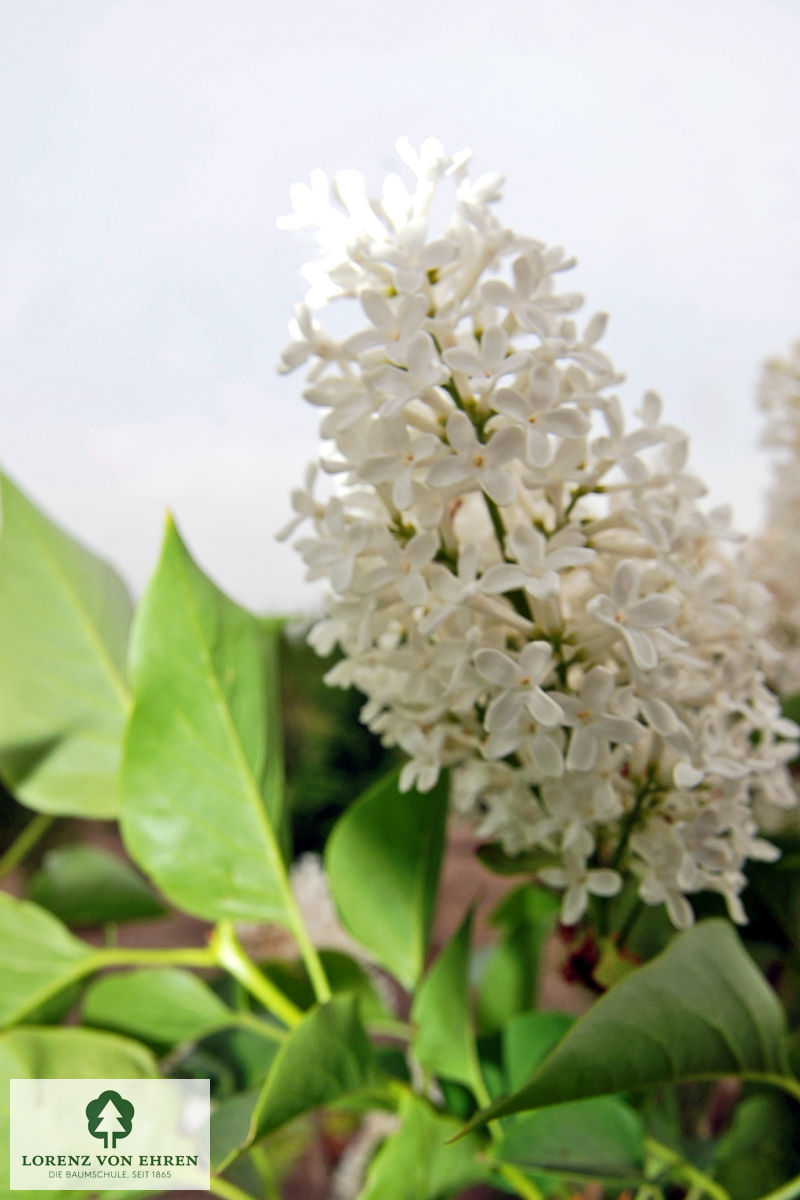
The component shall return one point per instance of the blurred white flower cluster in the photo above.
(523, 584)
(776, 554)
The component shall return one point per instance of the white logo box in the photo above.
(109, 1134)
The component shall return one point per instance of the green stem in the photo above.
(227, 1190)
(628, 823)
(311, 958)
(254, 1024)
(228, 953)
(521, 1184)
(275, 786)
(145, 956)
(517, 597)
(25, 841)
(785, 1082)
(260, 1160)
(629, 922)
(692, 1174)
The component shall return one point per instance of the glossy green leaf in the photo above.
(83, 885)
(444, 1042)
(64, 621)
(324, 1058)
(416, 1163)
(32, 1053)
(699, 1010)
(163, 1006)
(39, 958)
(200, 809)
(509, 980)
(383, 861)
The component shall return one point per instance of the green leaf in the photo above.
(84, 885)
(200, 803)
(39, 958)
(602, 1137)
(164, 1006)
(699, 1010)
(31, 1053)
(647, 927)
(527, 1039)
(416, 1163)
(327, 1056)
(761, 1150)
(383, 861)
(343, 973)
(243, 1055)
(443, 1041)
(64, 621)
(509, 980)
(791, 707)
(230, 1125)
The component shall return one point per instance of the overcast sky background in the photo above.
(148, 147)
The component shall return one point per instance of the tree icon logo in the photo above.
(110, 1117)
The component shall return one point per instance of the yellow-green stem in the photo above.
(521, 1184)
(228, 953)
(255, 1025)
(692, 1174)
(145, 956)
(786, 1083)
(228, 1191)
(260, 1160)
(310, 956)
(25, 841)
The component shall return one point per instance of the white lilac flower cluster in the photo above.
(523, 584)
(776, 554)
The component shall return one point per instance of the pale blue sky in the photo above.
(148, 147)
